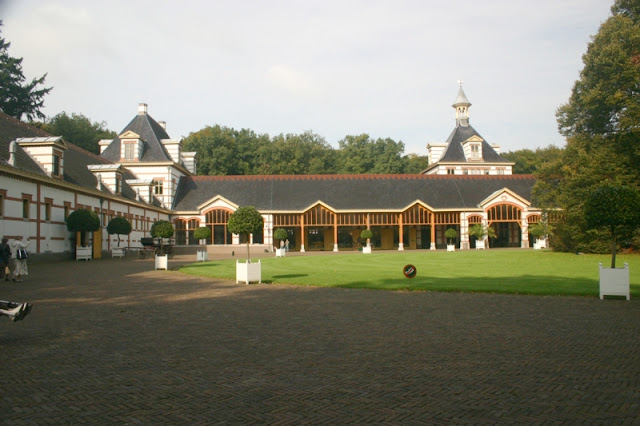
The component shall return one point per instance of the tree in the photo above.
(616, 208)
(600, 121)
(245, 221)
(119, 226)
(280, 234)
(83, 220)
(480, 231)
(366, 234)
(202, 233)
(78, 130)
(450, 234)
(162, 229)
(18, 98)
(361, 154)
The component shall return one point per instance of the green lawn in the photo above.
(498, 271)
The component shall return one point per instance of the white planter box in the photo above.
(614, 282)
(84, 253)
(281, 252)
(162, 262)
(451, 247)
(202, 255)
(479, 245)
(540, 244)
(248, 272)
(117, 252)
(366, 250)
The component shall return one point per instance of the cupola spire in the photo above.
(461, 106)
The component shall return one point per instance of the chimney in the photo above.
(142, 109)
(163, 124)
(12, 153)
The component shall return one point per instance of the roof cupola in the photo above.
(461, 106)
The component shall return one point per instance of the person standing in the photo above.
(20, 269)
(5, 259)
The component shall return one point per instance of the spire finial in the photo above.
(460, 83)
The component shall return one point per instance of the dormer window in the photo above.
(55, 167)
(158, 187)
(475, 152)
(130, 150)
(130, 146)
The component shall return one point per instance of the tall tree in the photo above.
(600, 122)
(362, 154)
(78, 129)
(18, 98)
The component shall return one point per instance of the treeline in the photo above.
(227, 151)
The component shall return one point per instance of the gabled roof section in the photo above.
(454, 153)
(145, 128)
(286, 193)
(76, 159)
(216, 201)
(504, 195)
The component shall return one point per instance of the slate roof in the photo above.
(151, 133)
(454, 152)
(348, 192)
(76, 159)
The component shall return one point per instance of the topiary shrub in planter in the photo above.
(201, 234)
(246, 220)
(539, 230)
(616, 209)
(280, 235)
(451, 234)
(119, 226)
(162, 229)
(479, 231)
(366, 234)
(83, 221)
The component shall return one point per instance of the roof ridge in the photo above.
(25, 125)
(361, 176)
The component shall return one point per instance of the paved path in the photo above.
(113, 341)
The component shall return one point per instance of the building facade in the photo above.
(144, 176)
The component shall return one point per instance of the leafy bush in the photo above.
(202, 233)
(119, 225)
(245, 220)
(162, 229)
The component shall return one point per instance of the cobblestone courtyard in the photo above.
(113, 341)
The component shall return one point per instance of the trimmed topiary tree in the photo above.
(162, 229)
(245, 220)
(450, 234)
(202, 233)
(119, 226)
(82, 221)
(366, 234)
(616, 209)
(280, 234)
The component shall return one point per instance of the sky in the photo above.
(334, 67)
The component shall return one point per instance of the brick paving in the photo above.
(113, 341)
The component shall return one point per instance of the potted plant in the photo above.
(539, 230)
(82, 221)
(118, 225)
(480, 232)
(280, 235)
(366, 234)
(451, 235)
(162, 230)
(201, 234)
(616, 209)
(246, 220)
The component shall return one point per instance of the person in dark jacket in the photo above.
(5, 258)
